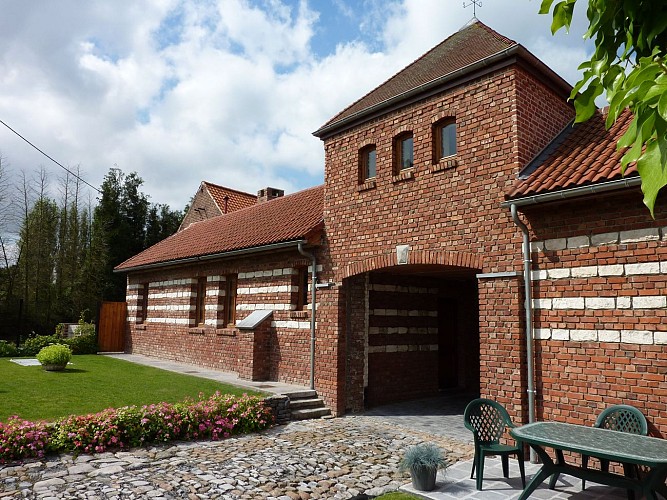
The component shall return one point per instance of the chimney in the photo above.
(268, 194)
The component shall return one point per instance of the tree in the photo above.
(630, 65)
(39, 243)
(161, 223)
(119, 225)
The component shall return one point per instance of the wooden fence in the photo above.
(111, 328)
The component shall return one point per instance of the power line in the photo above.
(50, 158)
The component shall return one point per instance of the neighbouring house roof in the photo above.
(583, 154)
(236, 200)
(458, 55)
(289, 218)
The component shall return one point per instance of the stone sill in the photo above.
(366, 185)
(404, 175)
(226, 332)
(298, 314)
(447, 163)
(197, 330)
(140, 326)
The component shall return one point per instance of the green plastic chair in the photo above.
(488, 420)
(621, 418)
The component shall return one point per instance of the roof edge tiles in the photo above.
(199, 258)
(582, 160)
(278, 223)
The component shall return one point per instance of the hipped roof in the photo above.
(464, 48)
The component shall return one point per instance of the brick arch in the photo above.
(458, 259)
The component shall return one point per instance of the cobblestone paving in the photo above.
(333, 458)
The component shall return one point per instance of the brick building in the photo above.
(212, 200)
(434, 182)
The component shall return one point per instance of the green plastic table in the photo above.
(594, 442)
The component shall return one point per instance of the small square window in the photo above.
(444, 135)
(403, 151)
(367, 163)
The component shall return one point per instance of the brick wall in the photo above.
(599, 278)
(445, 208)
(278, 350)
(202, 207)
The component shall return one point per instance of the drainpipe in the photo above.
(527, 278)
(313, 281)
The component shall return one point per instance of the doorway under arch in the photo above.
(412, 331)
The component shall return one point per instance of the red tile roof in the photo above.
(288, 218)
(465, 47)
(581, 155)
(236, 200)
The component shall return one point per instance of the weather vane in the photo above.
(475, 4)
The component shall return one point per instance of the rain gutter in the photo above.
(514, 205)
(313, 285)
(528, 307)
(576, 192)
(220, 255)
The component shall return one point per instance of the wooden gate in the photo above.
(111, 328)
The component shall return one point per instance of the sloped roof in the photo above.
(288, 218)
(581, 155)
(236, 200)
(470, 45)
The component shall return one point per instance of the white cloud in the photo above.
(228, 91)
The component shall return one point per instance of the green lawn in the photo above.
(397, 495)
(92, 383)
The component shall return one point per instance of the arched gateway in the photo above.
(412, 324)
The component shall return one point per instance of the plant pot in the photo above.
(54, 368)
(423, 478)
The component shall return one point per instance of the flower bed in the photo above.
(215, 418)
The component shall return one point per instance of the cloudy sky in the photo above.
(227, 91)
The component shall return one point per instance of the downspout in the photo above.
(313, 281)
(527, 278)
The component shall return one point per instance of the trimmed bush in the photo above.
(56, 354)
(7, 350)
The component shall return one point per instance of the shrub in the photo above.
(56, 354)
(83, 344)
(35, 344)
(7, 349)
(84, 340)
(423, 456)
(214, 418)
(21, 439)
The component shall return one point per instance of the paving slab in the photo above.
(455, 482)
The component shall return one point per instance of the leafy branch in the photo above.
(629, 65)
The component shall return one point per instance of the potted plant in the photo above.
(423, 462)
(54, 357)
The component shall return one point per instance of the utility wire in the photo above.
(50, 158)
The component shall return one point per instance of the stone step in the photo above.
(309, 413)
(304, 394)
(300, 404)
